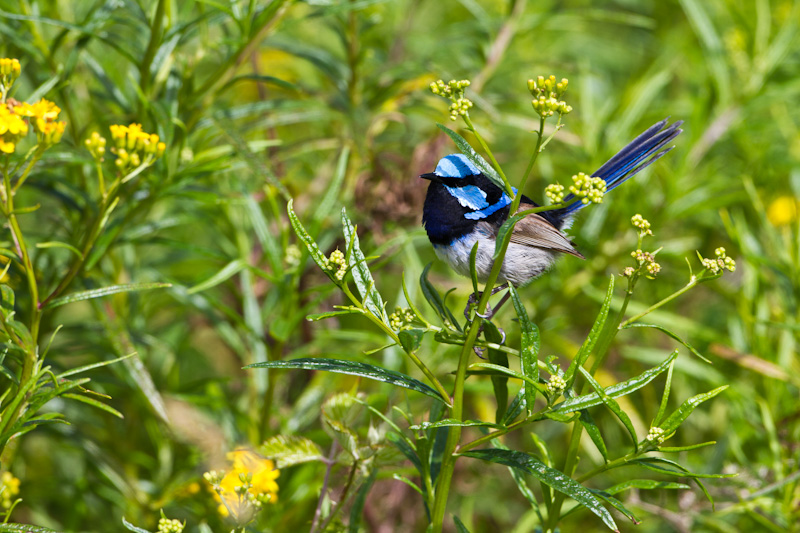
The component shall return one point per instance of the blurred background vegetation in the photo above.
(260, 101)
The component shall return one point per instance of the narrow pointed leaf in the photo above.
(588, 345)
(449, 422)
(466, 149)
(529, 350)
(662, 408)
(93, 403)
(434, 299)
(105, 291)
(313, 250)
(644, 484)
(24, 528)
(613, 406)
(361, 275)
(671, 335)
(616, 504)
(340, 366)
(460, 527)
(676, 418)
(615, 391)
(131, 527)
(594, 433)
(549, 476)
(496, 357)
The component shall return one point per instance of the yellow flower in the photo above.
(9, 487)
(133, 145)
(783, 211)
(10, 70)
(242, 490)
(12, 129)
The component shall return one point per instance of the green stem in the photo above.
(692, 282)
(413, 356)
(495, 164)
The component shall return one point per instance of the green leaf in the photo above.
(361, 275)
(594, 433)
(679, 415)
(615, 391)
(613, 406)
(529, 350)
(340, 413)
(465, 148)
(341, 312)
(313, 250)
(354, 368)
(358, 504)
(676, 449)
(434, 299)
(326, 204)
(644, 484)
(6, 301)
(131, 527)
(662, 408)
(473, 269)
(105, 291)
(23, 528)
(496, 357)
(267, 239)
(411, 339)
(549, 476)
(672, 335)
(93, 403)
(290, 450)
(460, 527)
(406, 449)
(616, 504)
(228, 271)
(588, 345)
(450, 422)
(92, 366)
(56, 244)
(507, 371)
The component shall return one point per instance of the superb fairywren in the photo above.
(463, 206)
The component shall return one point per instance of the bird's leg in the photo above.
(475, 297)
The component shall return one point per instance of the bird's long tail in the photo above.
(638, 155)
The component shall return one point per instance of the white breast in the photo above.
(521, 264)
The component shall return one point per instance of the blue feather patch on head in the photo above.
(471, 197)
(456, 166)
(489, 210)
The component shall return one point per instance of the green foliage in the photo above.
(122, 397)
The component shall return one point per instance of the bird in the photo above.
(463, 206)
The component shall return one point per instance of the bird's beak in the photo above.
(431, 176)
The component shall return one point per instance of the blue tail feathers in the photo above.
(635, 157)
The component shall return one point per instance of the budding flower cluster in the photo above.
(454, 91)
(96, 144)
(556, 384)
(337, 264)
(642, 224)
(656, 435)
(134, 147)
(293, 256)
(165, 525)
(721, 262)
(547, 94)
(10, 70)
(588, 189)
(647, 260)
(401, 319)
(555, 193)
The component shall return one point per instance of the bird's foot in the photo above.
(474, 298)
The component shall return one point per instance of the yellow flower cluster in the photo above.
(642, 224)
(42, 115)
(720, 263)
(401, 319)
(453, 90)
(556, 384)
(133, 146)
(555, 193)
(647, 260)
(656, 435)
(547, 94)
(243, 490)
(587, 188)
(337, 264)
(9, 487)
(10, 70)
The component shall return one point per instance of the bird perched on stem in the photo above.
(463, 207)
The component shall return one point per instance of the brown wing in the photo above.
(534, 230)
